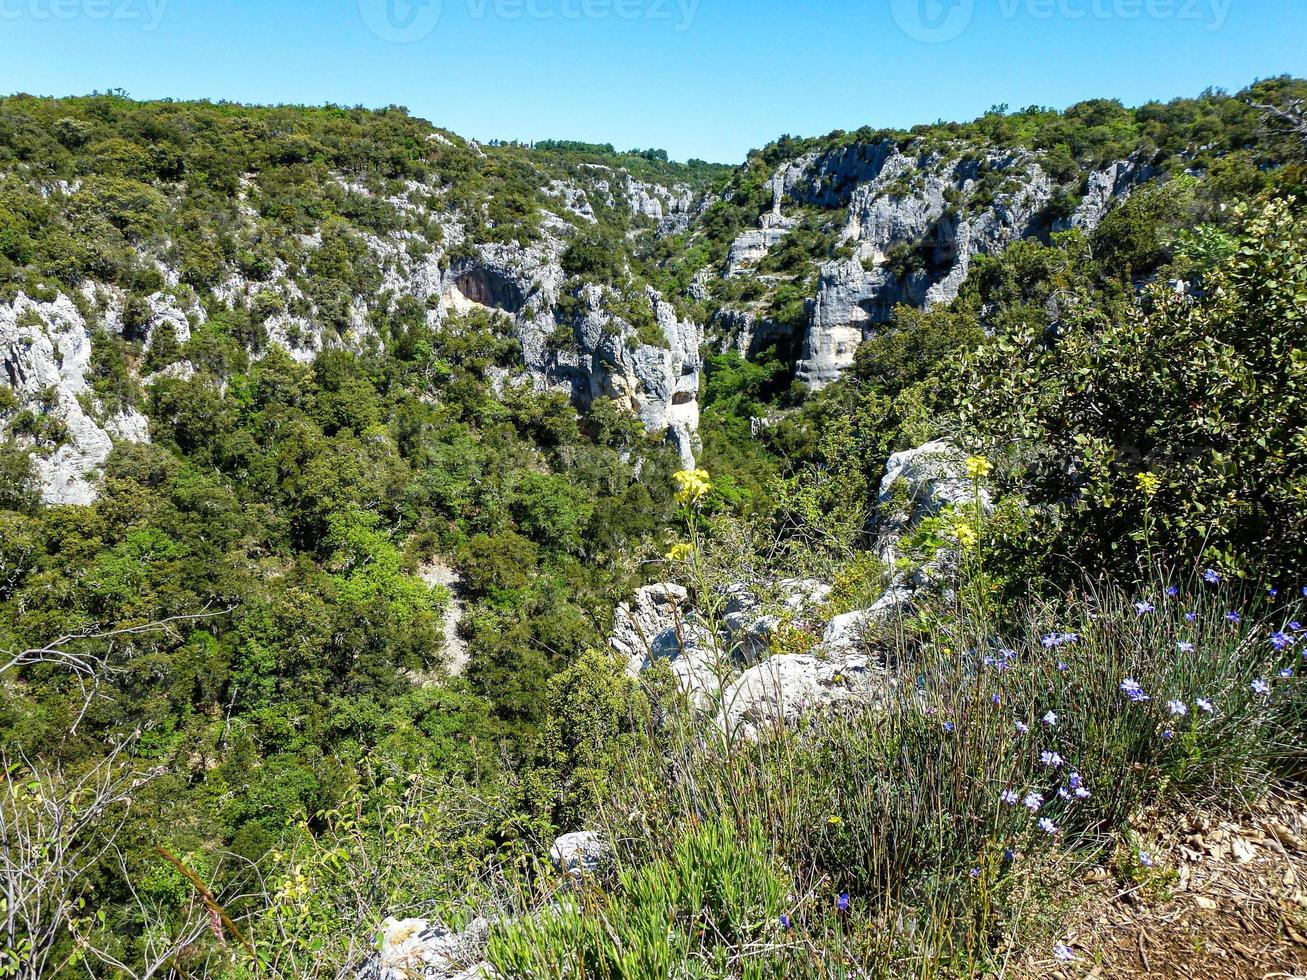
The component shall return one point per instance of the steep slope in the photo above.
(317, 228)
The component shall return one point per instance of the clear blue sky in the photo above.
(705, 78)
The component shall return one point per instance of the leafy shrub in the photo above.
(1206, 393)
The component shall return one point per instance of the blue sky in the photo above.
(705, 78)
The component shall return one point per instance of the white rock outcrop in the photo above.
(782, 689)
(421, 949)
(45, 354)
(919, 483)
(637, 624)
(579, 854)
(936, 209)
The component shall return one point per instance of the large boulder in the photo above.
(750, 620)
(579, 854)
(846, 633)
(695, 660)
(419, 948)
(636, 625)
(784, 688)
(919, 483)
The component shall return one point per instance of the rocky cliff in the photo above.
(591, 351)
(489, 231)
(913, 219)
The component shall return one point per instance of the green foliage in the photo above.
(1205, 392)
(687, 915)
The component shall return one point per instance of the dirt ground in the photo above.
(1235, 907)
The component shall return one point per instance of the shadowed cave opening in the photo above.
(485, 287)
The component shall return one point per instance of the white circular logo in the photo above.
(932, 21)
(400, 21)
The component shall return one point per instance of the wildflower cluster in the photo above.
(1148, 483)
(966, 536)
(680, 552)
(692, 485)
(978, 467)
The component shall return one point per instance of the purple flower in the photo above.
(1059, 639)
(1033, 801)
(948, 726)
(1184, 646)
(1172, 591)
(1281, 639)
(1075, 780)
(1296, 626)
(1189, 617)
(974, 873)
(1051, 759)
(1210, 576)
(1143, 608)
(1204, 705)
(1082, 792)
(1145, 859)
(1272, 592)
(1063, 953)
(1022, 727)
(1061, 667)
(1233, 617)
(1168, 735)
(1260, 686)
(1287, 672)
(842, 903)
(1177, 708)
(1047, 826)
(1133, 690)
(997, 700)
(1050, 719)
(785, 922)
(1008, 796)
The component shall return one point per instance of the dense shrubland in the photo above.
(298, 749)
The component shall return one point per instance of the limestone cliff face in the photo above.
(45, 353)
(915, 221)
(46, 346)
(909, 223)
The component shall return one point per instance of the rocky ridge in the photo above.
(46, 345)
(914, 223)
(913, 220)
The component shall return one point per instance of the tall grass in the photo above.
(909, 838)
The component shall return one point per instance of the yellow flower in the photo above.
(978, 467)
(693, 485)
(965, 536)
(834, 821)
(1147, 483)
(680, 552)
